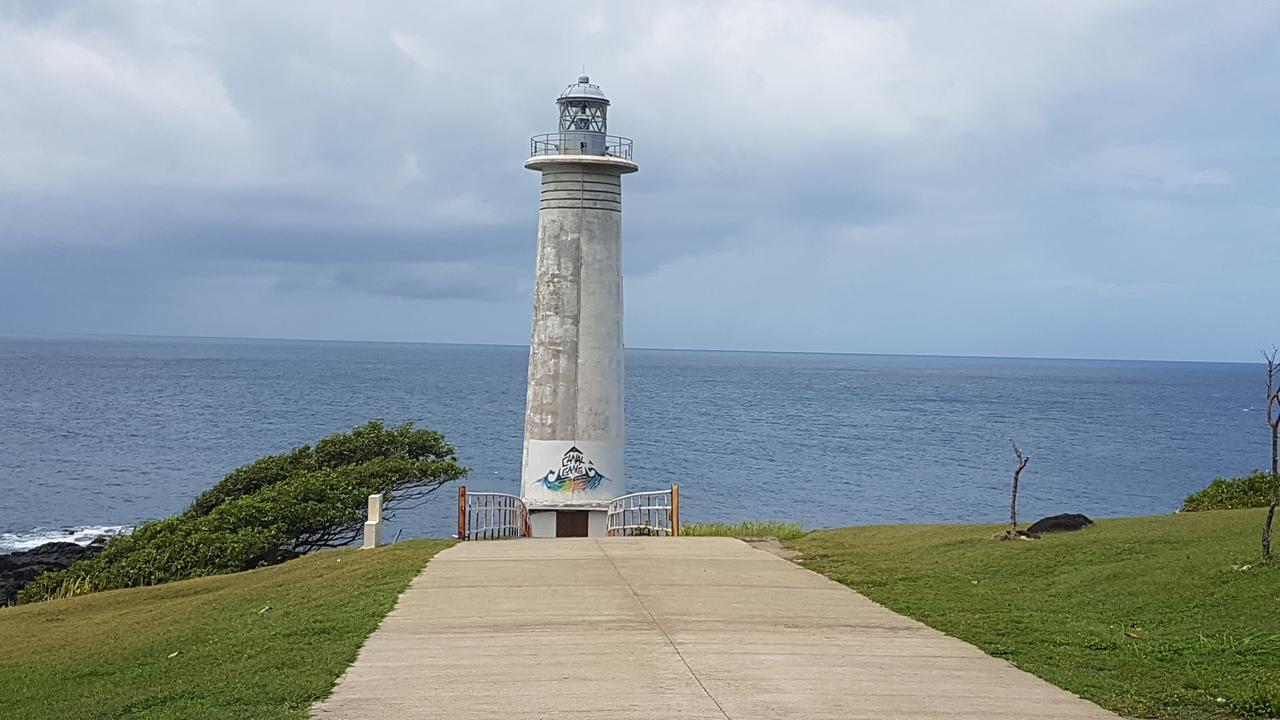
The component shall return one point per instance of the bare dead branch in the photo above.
(1017, 476)
(1273, 421)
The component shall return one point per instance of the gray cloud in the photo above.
(828, 176)
(434, 281)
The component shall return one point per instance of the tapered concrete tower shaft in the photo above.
(573, 443)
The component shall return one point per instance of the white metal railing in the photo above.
(567, 142)
(645, 513)
(489, 515)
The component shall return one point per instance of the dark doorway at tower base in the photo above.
(572, 523)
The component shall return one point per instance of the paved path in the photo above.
(661, 627)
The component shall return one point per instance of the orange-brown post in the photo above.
(462, 512)
(675, 510)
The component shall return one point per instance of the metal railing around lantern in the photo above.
(490, 516)
(645, 513)
(566, 143)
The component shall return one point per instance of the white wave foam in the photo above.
(14, 542)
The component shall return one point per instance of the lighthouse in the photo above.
(573, 430)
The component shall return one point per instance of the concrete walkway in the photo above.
(660, 627)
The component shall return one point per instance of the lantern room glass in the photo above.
(583, 116)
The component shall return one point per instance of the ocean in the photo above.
(102, 432)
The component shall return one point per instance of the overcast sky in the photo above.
(1064, 179)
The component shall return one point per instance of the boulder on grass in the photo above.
(1066, 522)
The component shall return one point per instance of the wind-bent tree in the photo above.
(1017, 476)
(1273, 420)
(317, 495)
(270, 510)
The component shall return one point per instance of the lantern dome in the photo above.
(583, 89)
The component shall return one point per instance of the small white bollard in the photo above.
(373, 526)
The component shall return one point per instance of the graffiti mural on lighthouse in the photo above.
(576, 474)
(572, 472)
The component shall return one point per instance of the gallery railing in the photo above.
(489, 516)
(645, 513)
(569, 143)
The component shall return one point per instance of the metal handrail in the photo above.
(490, 515)
(558, 143)
(645, 513)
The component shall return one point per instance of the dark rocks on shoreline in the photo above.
(1066, 522)
(18, 569)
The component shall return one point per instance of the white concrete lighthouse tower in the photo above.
(573, 428)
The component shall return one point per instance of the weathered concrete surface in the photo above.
(662, 627)
(575, 396)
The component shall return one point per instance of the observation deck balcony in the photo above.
(577, 142)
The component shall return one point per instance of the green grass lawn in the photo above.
(1150, 617)
(259, 644)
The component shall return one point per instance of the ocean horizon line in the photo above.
(753, 351)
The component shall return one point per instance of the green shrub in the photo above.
(268, 511)
(1251, 491)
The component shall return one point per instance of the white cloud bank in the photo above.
(1083, 179)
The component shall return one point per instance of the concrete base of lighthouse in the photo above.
(568, 522)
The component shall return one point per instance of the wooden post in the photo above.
(675, 510)
(462, 512)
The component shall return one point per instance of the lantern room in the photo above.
(583, 118)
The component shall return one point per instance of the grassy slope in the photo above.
(107, 655)
(1146, 616)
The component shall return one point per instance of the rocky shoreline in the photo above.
(18, 569)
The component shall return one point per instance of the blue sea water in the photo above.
(106, 431)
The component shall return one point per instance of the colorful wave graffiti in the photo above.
(576, 474)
